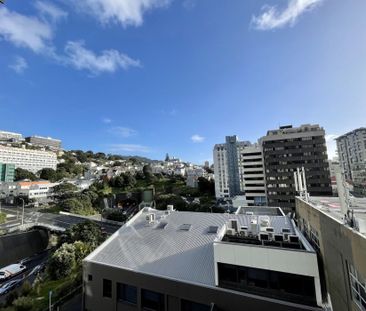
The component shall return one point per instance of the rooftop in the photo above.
(179, 245)
(332, 207)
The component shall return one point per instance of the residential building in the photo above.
(255, 259)
(352, 154)
(289, 148)
(7, 172)
(37, 190)
(226, 167)
(44, 142)
(193, 174)
(251, 171)
(339, 236)
(10, 136)
(31, 160)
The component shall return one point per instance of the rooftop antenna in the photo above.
(300, 183)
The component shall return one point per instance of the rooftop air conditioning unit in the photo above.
(249, 213)
(278, 237)
(264, 237)
(230, 232)
(150, 218)
(233, 224)
(253, 225)
(293, 239)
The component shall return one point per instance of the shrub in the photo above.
(23, 304)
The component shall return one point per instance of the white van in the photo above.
(11, 270)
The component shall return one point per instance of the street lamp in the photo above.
(22, 211)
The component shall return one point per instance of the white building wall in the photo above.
(31, 160)
(267, 258)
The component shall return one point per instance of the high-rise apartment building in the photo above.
(7, 172)
(289, 148)
(44, 141)
(352, 155)
(6, 136)
(28, 159)
(226, 167)
(239, 170)
(251, 170)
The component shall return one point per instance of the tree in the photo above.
(23, 174)
(64, 188)
(23, 304)
(130, 181)
(87, 232)
(2, 218)
(48, 174)
(62, 262)
(147, 170)
(206, 186)
(117, 181)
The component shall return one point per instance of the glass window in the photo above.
(127, 293)
(187, 305)
(152, 301)
(90, 277)
(107, 288)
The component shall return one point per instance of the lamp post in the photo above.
(50, 300)
(22, 211)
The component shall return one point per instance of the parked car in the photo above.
(7, 287)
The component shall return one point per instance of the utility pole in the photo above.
(22, 211)
(50, 300)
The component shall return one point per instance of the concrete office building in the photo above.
(28, 159)
(169, 260)
(289, 148)
(10, 136)
(341, 243)
(252, 175)
(7, 172)
(44, 142)
(238, 167)
(352, 154)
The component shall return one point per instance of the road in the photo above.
(32, 215)
(26, 275)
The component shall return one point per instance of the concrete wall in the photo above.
(17, 246)
(339, 245)
(225, 300)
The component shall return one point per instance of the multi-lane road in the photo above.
(33, 215)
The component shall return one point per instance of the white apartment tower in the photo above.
(28, 159)
(238, 167)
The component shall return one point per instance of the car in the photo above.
(11, 270)
(7, 287)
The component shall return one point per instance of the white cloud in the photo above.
(24, 31)
(125, 12)
(197, 138)
(122, 131)
(20, 65)
(272, 17)
(331, 145)
(77, 56)
(106, 120)
(129, 148)
(48, 9)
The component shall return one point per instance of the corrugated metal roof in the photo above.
(172, 252)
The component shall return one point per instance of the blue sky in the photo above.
(148, 77)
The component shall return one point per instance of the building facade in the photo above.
(252, 175)
(44, 142)
(289, 148)
(341, 246)
(170, 260)
(226, 167)
(352, 155)
(28, 159)
(9, 136)
(7, 172)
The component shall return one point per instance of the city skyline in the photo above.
(179, 76)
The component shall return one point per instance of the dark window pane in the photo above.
(107, 288)
(152, 301)
(127, 293)
(187, 305)
(90, 277)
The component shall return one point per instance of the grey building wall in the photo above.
(44, 141)
(174, 291)
(17, 246)
(338, 246)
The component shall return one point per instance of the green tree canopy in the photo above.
(24, 174)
